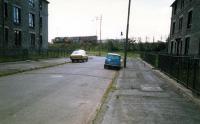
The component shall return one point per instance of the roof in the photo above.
(46, 1)
(115, 54)
(173, 3)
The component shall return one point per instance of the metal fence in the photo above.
(24, 54)
(151, 58)
(184, 69)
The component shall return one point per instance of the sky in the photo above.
(148, 18)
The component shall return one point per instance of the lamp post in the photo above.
(127, 31)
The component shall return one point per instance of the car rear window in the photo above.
(76, 52)
(113, 57)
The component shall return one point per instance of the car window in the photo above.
(113, 57)
(76, 52)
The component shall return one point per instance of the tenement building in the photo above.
(24, 24)
(185, 28)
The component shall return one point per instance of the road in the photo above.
(66, 94)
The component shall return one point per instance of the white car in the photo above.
(79, 56)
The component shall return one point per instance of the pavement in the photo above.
(142, 95)
(66, 94)
(22, 66)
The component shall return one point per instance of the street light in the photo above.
(127, 31)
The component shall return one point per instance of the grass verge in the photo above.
(21, 71)
(104, 53)
(101, 110)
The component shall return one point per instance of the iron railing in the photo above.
(24, 54)
(184, 69)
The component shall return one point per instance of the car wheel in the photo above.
(105, 67)
(72, 61)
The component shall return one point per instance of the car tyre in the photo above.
(105, 67)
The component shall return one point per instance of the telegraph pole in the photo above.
(3, 23)
(127, 31)
(100, 28)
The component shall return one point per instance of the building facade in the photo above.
(185, 28)
(24, 24)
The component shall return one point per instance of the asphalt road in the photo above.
(66, 94)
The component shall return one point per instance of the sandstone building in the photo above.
(24, 24)
(185, 28)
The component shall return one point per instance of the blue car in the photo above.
(112, 61)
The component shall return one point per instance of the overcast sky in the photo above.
(78, 18)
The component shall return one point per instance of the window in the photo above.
(172, 46)
(173, 27)
(189, 23)
(180, 27)
(199, 47)
(181, 47)
(17, 15)
(187, 44)
(175, 8)
(41, 41)
(17, 36)
(31, 20)
(31, 3)
(32, 38)
(182, 4)
(40, 4)
(6, 10)
(6, 36)
(40, 22)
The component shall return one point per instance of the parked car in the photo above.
(113, 60)
(79, 56)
